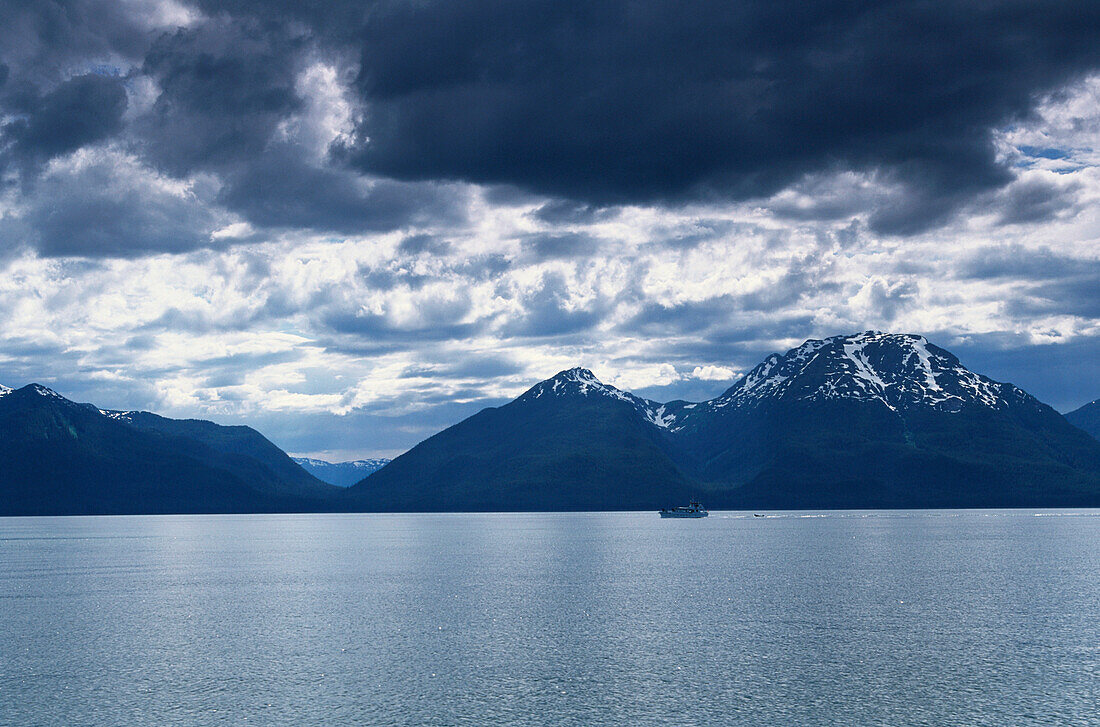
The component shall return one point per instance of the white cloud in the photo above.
(713, 373)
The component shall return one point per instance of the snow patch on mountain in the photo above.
(46, 391)
(920, 350)
(855, 350)
(659, 417)
(5, 390)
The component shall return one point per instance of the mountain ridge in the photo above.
(854, 416)
(341, 474)
(853, 421)
(64, 457)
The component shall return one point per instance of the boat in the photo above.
(693, 509)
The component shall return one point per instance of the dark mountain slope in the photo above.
(269, 467)
(59, 457)
(1087, 418)
(569, 443)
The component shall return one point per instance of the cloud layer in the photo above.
(629, 102)
(353, 223)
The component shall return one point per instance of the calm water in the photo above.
(920, 618)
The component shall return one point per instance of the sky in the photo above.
(352, 224)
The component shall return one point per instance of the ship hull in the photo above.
(683, 514)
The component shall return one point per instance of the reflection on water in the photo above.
(839, 618)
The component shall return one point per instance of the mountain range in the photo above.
(341, 474)
(59, 457)
(855, 421)
(864, 420)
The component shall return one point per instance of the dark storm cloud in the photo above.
(420, 244)
(59, 87)
(560, 246)
(339, 20)
(96, 212)
(1031, 201)
(78, 112)
(568, 212)
(627, 102)
(1021, 263)
(225, 87)
(43, 40)
(224, 93)
(280, 189)
(593, 105)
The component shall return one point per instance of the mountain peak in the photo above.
(578, 374)
(576, 380)
(900, 370)
(44, 391)
(36, 390)
(580, 382)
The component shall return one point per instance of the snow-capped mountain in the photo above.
(899, 371)
(896, 371)
(341, 474)
(582, 382)
(862, 420)
(570, 442)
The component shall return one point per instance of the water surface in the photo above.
(838, 618)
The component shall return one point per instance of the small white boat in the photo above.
(694, 509)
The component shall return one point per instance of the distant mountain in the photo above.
(864, 420)
(341, 474)
(61, 457)
(1087, 418)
